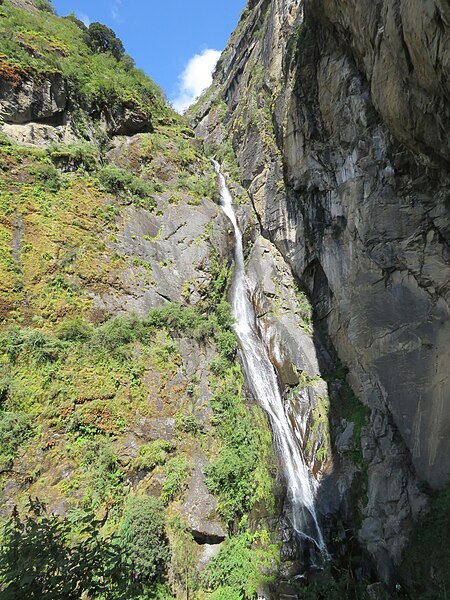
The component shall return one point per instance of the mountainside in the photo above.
(135, 458)
(118, 375)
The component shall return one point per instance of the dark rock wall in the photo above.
(338, 112)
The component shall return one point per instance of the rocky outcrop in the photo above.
(33, 99)
(338, 113)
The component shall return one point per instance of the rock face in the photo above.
(338, 113)
(33, 99)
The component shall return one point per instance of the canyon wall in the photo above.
(338, 113)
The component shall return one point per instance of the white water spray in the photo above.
(263, 380)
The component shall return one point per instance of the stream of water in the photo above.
(262, 378)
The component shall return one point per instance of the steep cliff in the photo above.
(118, 377)
(338, 113)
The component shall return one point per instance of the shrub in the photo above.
(36, 344)
(187, 424)
(15, 428)
(114, 180)
(153, 454)
(143, 539)
(40, 558)
(117, 332)
(235, 571)
(49, 177)
(100, 462)
(177, 471)
(70, 157)
(75, 329)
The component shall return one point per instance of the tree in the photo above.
(103, 39)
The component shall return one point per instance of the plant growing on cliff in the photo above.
(177, 471)
(142, 537)
(241, 566)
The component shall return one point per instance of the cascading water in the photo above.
(263, 380)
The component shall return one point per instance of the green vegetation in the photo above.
(426, 565)
(348, 407)
(44, 556)
(177, 471)
(241, 567)
(143, 538)
(152, 455)
(116, 180)
(103, 39)
(15, 429)
(92, 61)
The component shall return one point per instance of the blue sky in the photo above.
(164, 35)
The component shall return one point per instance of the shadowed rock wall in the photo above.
(339, 113)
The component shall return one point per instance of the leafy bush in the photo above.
(117, 332)
(48, 176)
(114, 180)
(40, 558)
(100, 462)
(239, 475)
(71, 157)
(75, 329)
(177, 471)
(188, 320)
(143, 539)
(15, 428)
(237, 571)
(153, 454)
(37, 345)
(45, 5)
(187, 424)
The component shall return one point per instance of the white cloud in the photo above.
(115, 10)
(84, 18)
(196, 77)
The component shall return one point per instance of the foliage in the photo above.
(115, 179)
(74, 329)
(48, 175)
(241, 566)
(184, 557)
(143, 539)
(39, 558)
(177, 471)
(71, 157)
(15, 429)
(99, 461)
(103, 39)
(237, 476)
(426, 565)
(45, 5)
(153, 454)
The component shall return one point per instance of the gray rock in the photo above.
(342, 142)
(200, 508)
(34, 100)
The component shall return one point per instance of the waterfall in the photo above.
(262, 378)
